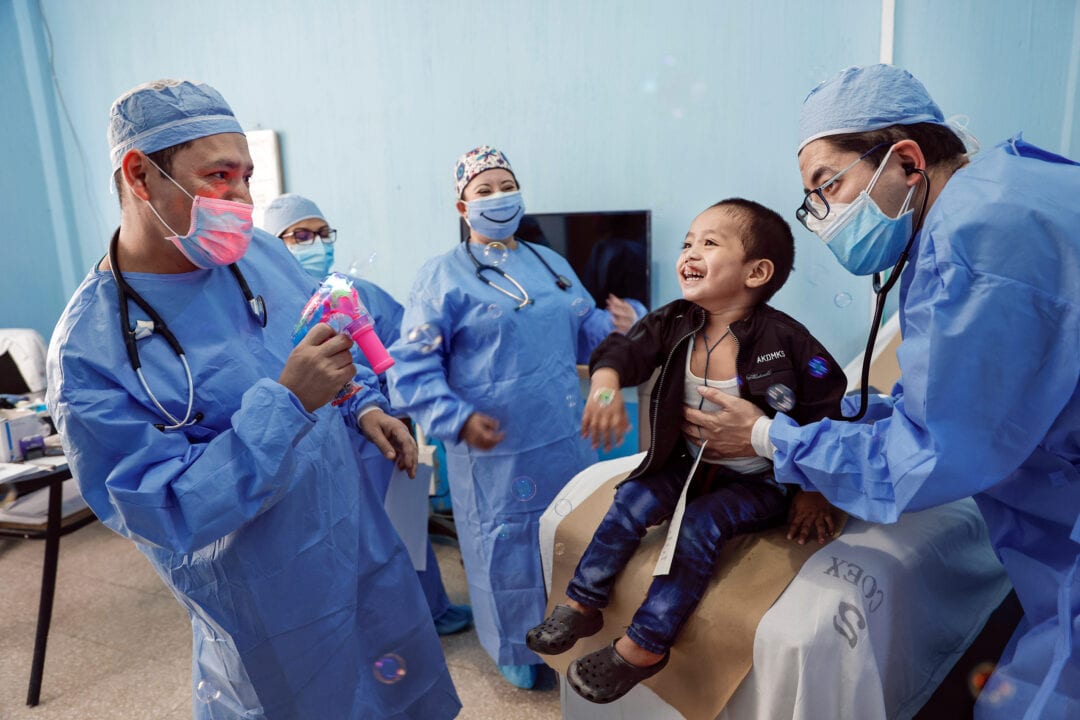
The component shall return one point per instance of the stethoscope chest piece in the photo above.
(258, 309)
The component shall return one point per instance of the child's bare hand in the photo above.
(605, 420)
(810, 512)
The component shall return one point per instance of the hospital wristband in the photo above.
(759, 438)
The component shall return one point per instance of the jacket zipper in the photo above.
(660, 392)
(738, 351)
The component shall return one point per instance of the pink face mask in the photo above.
(220, 230)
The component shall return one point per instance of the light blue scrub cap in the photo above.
(164, 113)
(861, 99)
(289, 209)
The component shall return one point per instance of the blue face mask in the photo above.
(317, 258)
(863, 238)
(496, 216)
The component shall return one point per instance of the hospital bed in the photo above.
(867, 629)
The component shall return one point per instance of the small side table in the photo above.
(56, 524)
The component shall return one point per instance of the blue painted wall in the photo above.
(601, 106)
(32, 291)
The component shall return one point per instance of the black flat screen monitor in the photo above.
(609, 251)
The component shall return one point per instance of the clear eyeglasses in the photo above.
(814, 203)
(305, 237)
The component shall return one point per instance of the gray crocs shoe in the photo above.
(564, 627)
(604, 676)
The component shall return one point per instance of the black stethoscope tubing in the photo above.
(560, 280)
(881, 291)
(125, 293)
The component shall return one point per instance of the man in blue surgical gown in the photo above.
(206, 438)
(988, 404)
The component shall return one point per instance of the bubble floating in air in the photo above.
(389, 669)
(427, 336)
(524, 488)
(495, 253)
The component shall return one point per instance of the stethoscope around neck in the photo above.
(881, 290)
(125, 293)
(523, 299)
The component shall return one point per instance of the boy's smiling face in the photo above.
(712, 267)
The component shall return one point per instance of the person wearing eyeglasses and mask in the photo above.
(307, 234)
(197, 430)
(985, 255)
(486, 362)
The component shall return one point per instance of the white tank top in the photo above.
(742, 465)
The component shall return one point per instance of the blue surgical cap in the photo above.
(164, 113)
(861, 99)
(287, 210)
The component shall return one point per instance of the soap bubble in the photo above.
(842, 299)
(572, 400)
(524, 488)
(560, 548)
(389, 669)
(580, 306)
(563, 507)
(363, 266)
(818, 366)
(495, 253)
(207, 692)
(427, 336)
(780, 397)
(673, 89)
(494, 311)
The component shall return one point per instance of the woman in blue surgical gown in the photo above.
(989, 399)
(486, 363)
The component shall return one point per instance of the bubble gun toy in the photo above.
(337, 304)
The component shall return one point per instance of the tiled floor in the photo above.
(120, 645)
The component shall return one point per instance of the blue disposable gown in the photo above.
(302, 599)
(517, 366)
(386, 313)
(989, 406)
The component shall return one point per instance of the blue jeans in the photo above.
(727, 504)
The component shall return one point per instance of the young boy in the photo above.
(722, 334)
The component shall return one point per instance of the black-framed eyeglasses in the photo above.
(305, 237)
(814, 203)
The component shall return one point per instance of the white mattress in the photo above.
(868, 628)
